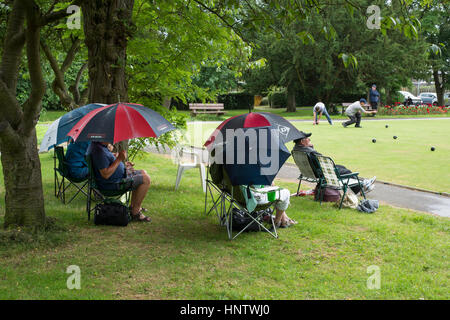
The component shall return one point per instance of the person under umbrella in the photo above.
(251, 149)
(112, 124)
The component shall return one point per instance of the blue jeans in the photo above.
(326, 115)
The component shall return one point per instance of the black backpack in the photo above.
(240, 220)
(111, 212)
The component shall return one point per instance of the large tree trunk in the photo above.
(24, 199)
(439, 85)
(291, 107)
(107, 26)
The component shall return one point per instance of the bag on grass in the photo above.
(111, 212)
(350, 200)
(240, 220)
(329, 194)
(368, 206)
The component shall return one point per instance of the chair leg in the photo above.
(362, 189)
(203, 176)
(343, 196)
(179, 174)
(299, 184)
(88, 202)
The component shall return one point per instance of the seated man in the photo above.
(111, 171)
(304, 144)
(282, 200)
(219, 176)
(75, 159)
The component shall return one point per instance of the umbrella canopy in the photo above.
(287, 131)
(58, 130)
(251, 146)
(118, 122)
(252, 156)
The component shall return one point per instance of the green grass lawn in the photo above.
(408, 160)
(183, 254)
(302, 113)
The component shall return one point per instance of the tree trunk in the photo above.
(107, 27)
(291, 99)
(24, 199)
(439, 85)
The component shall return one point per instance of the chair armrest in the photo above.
(349, 175)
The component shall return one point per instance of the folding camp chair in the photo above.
(226, 198)
(330, 177)
(307, 172)
(97, 195)
(60, 183)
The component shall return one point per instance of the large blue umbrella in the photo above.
(58, 130)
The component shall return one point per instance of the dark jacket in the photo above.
(374, 96)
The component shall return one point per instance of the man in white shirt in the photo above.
(318, 110)
(353, 111)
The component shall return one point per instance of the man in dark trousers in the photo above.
(374, 97)
(304, 144)
(354, 111)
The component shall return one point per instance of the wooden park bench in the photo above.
(209, 108)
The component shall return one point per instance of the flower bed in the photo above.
(400, 109)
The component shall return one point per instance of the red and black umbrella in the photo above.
(118, 122)
(256, 149)
(287, 132)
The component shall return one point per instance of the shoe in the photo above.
(282, 226)
(369, 189)
(358, 127)
(344, 125)
(368, 182)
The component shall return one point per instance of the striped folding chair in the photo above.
(331, 178)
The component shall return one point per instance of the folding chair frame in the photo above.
(96, 195)
(223, 204)
(60, 185)
(344, 179)
(308, 177)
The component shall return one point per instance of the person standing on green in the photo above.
(374, 97)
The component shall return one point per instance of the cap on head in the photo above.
(363, 100)
(374, 85)
(303, 135)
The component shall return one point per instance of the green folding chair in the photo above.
(95, 194)
(331, 178)
(225, 197)
(61, 169)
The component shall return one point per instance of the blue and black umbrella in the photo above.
(58, 130)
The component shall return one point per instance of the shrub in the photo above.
(236, 100)
(277, 99)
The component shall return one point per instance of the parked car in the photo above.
(429, 98)
(447, 99)
(410, 99)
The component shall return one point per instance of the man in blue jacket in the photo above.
(75, 159)
(374, 97)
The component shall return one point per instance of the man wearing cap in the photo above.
(318, 110)
(374, 97)
(353, 111)
(304, 144)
